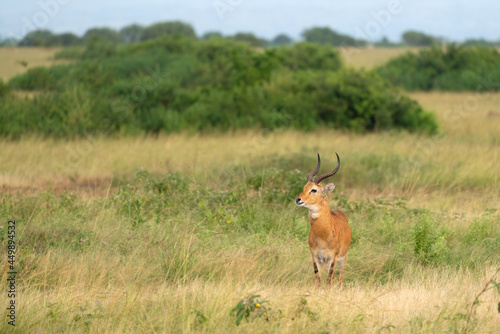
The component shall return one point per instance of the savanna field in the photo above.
(169, 233)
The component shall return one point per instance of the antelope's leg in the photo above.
(341, 265)
(317, 273)
(331, 272)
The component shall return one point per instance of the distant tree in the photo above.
(415, 38)
(8, 42)
(168, 28)
(251, 39)
(385, 43)
(480, 42)
(131, 33)
(108, 34)
(99, 47)
(38, 38)
(325, 35)
(246, 37)
(68, 39)
(282, 39)
(211, 34)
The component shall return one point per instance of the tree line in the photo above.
(136, 33)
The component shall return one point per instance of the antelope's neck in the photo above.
(322, 209)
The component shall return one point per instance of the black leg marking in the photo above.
(316, 274)
(330, 273)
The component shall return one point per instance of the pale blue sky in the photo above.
(453, 19)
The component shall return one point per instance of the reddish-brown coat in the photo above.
(330, 234)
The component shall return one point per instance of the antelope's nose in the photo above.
(298, 200)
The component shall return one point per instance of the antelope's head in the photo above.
(314, 193)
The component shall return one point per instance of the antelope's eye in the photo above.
(314, 191)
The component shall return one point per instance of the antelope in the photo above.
(330, 234)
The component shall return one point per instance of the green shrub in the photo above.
(4, 89)
(429, 242)
(305, 55)
(276, 185)
(72, 53)
(249, 308)
(352, 99)
(455, 68)
(175, 83)
(484, 231)
(40, 78)
(99, 47)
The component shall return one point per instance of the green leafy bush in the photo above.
(455, 68)
(429, 242)
(305, 55)
(4, 89)
(72, 53)
(351, 99)
(176, 83)
(99, 47)
(39, 78)
(249, 308)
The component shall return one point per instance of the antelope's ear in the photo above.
(328, 188)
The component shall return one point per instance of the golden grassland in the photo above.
(117, 284)
(15, 61)
(372, 57)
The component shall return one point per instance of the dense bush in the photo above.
(71, 53)
(175, 83)
(305, 55)
(39, 78)
(454, 68)
(4, 89)
(99, 47)
(351, 99)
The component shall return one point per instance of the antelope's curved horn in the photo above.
(326, 175)
(314, 172)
